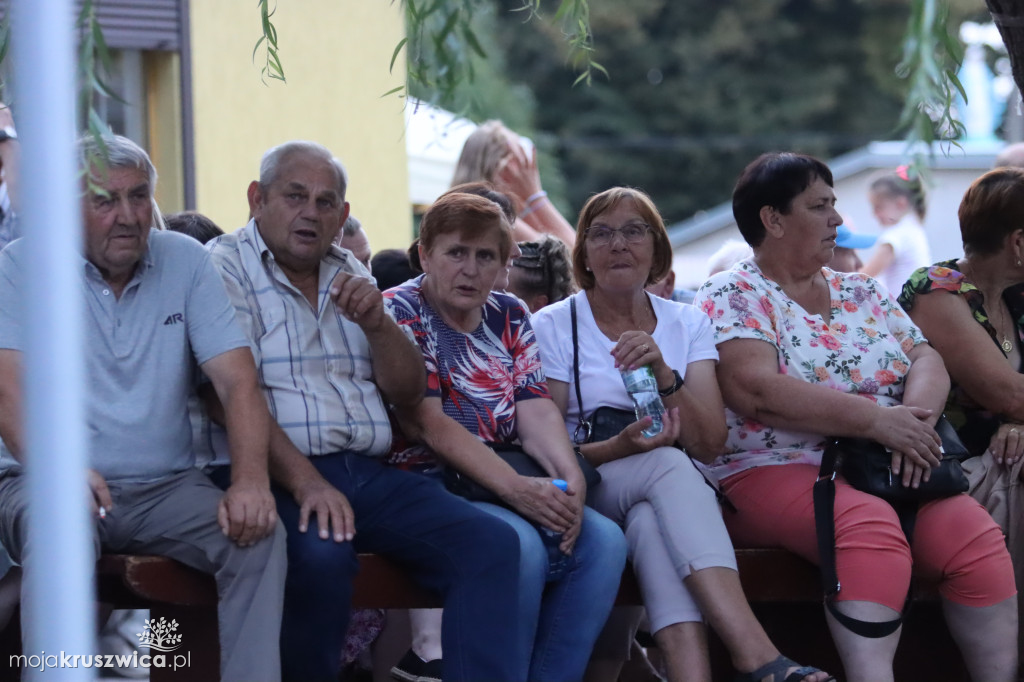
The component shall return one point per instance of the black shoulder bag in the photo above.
(605, 422)
(865, 465)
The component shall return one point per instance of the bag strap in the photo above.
(825, 527)
(584, 423)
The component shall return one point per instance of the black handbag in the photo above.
(865, 464)
(607, 422)
(524, 465)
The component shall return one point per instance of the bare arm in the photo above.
(880, 260)
(520, 177)
(10, 158)
(398, 368)
(973, 361)
(748, 372)
(534, 498)
(247, 512)
(542, 434)
(702, 430)
(927, 382)
(11, 403)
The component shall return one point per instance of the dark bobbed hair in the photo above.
(992, 208)
(469, 215)
(608, 200)
(773, 179)
(194, 224)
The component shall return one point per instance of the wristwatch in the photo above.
(8, 133)
(677, 384)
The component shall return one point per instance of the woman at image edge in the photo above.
(807, 353)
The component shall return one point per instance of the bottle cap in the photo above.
(560, 484)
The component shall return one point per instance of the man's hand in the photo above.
(100, 494)
(333, 512)
(359, 300)
(247, 513)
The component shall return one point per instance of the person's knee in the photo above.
(980, 572)
(315, 559)
(667, 460)
(602, 539)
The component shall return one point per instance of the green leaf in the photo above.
(394, 55)
(473, 43)
(257, 47)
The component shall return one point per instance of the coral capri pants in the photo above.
(956, 543)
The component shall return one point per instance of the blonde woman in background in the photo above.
(495, 154)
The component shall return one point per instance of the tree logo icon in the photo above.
(159, 635)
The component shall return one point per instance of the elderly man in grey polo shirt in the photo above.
(155, 308)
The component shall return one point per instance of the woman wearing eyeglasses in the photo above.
(678, 543)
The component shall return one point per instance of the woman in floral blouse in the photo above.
(806, 353)
(972, 310)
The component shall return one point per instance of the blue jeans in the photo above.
(560, 621)
(443, 541)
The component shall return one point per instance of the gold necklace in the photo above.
(1005, 344)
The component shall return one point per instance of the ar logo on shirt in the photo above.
(174, 319)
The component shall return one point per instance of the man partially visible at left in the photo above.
(155, 307)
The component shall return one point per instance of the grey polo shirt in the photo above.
(141, 353)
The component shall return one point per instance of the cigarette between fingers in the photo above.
(103, 512)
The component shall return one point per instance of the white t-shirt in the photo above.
(910, 248)
(683, 333)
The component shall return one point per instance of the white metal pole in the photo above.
(59, 589)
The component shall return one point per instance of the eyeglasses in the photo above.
(632, 233)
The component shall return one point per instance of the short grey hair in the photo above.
(351, 226)
(272, 159)
(117, 151)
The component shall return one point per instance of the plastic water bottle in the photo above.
(643, 389)
(558, 562)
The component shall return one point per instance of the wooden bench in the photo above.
(783, 589)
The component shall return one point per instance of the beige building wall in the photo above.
(163, 108)
(335, 55)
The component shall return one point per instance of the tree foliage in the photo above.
(696, 90)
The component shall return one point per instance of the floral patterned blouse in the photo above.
(479, 376)
(862, 350)
(974, 424)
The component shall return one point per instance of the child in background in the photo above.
(898, 202)
(543, 274)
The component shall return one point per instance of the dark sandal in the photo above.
(776, 669)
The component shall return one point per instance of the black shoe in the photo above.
(412, 668)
